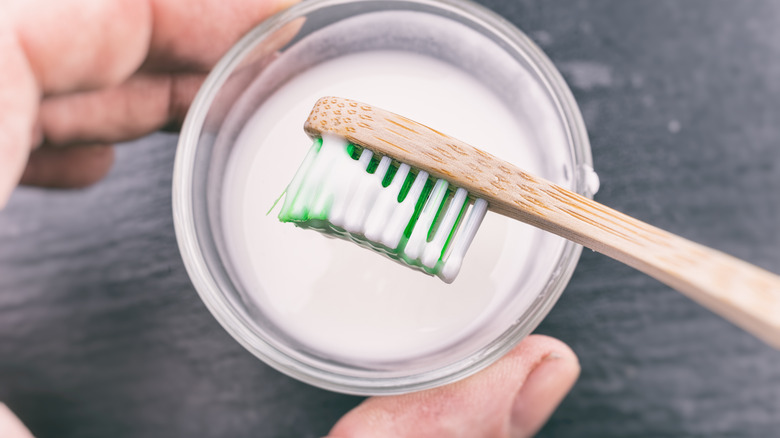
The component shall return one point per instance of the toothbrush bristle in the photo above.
(343, 190)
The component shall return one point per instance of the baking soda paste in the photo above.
(346, 302)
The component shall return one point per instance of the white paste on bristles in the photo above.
(322, 196)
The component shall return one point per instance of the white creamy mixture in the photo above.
(344, 301)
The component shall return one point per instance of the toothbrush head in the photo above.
(344, 189)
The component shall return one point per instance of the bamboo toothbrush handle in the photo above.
(746, 295)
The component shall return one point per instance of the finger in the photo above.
(143, 104)
(491, 403)
(88, 44)
(69, 167)
(10, 426)
(194, 35)
(53, 46)
(146, 102)
(58, 46)
(18, 104)
(82, 44)
(542, 392)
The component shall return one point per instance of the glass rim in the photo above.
(208, 289)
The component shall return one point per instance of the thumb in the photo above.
(514, 397)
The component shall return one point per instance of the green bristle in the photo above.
(454, 228)
(373, 164)
(354, 151)
(426, 191)
(437, 219)
(388, 179)
(410, 177)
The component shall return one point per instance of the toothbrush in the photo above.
(362, 153)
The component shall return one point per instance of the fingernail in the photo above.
(542, 392)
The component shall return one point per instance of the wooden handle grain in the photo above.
(740, 292)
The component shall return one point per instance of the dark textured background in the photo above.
(101, 333)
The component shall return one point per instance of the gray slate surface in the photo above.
(101, 333)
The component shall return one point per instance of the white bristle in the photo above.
(357, 210)
(351, 187)
(365, 158)
(308, 197)
(398, 180)
(381, 169)
(324, 196)
(293, 189)
(419, 238)
(397, 223)
(385, 205)
(435, 247)
(372, 200)
(462, 240)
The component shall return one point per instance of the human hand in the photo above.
(512, 398)
(95, 72)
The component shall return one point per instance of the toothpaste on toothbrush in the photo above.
(343, 190)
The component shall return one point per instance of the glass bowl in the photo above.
(458, 33)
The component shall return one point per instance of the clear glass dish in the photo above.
(316, 31)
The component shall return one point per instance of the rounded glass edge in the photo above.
(208, 290)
